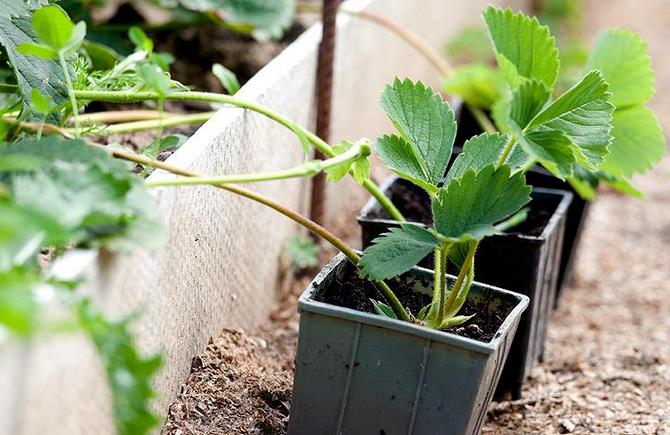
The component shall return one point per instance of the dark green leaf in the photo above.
(399, 156)
(468, 207)
(553, 150)
(426, 122)
(396, 252)
(527, 101)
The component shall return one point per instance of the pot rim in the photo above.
(307, 303)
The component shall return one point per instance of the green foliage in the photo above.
(478, 152)
(468, 207)
(262, 18)
(396, 251)
(31, 72)
(18, 305)
(129, 373)
(523, 47)
(638, 141)
(426, 127)
(83, 192)
(303, 251)
(470, 45)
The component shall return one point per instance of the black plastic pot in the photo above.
(527, 263)
(540, 177)
(361, 373)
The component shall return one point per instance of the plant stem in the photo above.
(114, 116)
(482, 120)
(507, 151)
(320, 144)
(465, 268)
(307, 169)
(70, 93)
(6, 88)
(442, 278)
(151, 124)
(315, 228)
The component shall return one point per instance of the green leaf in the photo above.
(638, 142)
(53, 27)
(552, 149)
(478, 85)
(92, 196)
(130, 374)
(382, 309)
(468, 207)
(77, 37)
(37, 50)
(31, 72)
(19, 8)
(40, 102)
(140, 39)
(227, 78)
(359, 167)
(523, 47)
(303, 251)
(455, 321)
(426, 122)
(624, 186)
(155, 79)
(397, 251)
(263, 18)
(621, 55)
(583, 188)
(478, 152)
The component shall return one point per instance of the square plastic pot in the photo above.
(360, 373)
(527, 264)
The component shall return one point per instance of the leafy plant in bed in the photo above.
(569, 135)
(637, 142)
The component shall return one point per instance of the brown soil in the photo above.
(355, 293)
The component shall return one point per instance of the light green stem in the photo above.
(171, 121)
(462, 274)
(507, 151)
(307, 169)
(442, 278)
(320, 144)
(70, 93)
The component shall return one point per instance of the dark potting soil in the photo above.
(351, 291)
(414, 204)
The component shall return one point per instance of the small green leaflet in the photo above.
(573, 128)
(303, 251)
(382, 309)
(427, 130)
(468, 207)
(397, 251)
(524, 48)
(478, 152)
(227, 78)
(638, 141)
(360, 167)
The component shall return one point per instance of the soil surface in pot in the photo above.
(414, 204)
(350, 291)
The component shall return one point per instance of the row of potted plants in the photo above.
(372, 318)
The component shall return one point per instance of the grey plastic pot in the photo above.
(528, 264)
(360, 373)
